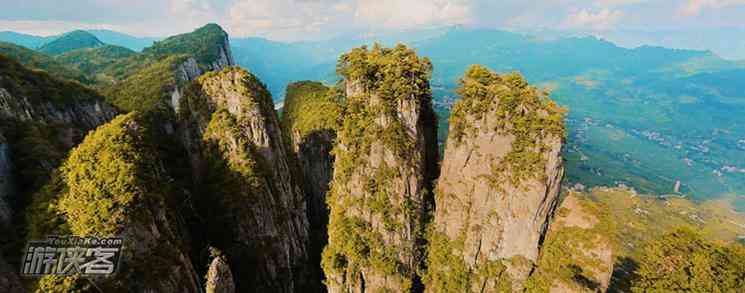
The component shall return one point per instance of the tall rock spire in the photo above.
(254, 207)
(499, 183)
(385, 158)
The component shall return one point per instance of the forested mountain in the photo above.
(180, 151)
(71, 41)
(25, 40)
(646, 117)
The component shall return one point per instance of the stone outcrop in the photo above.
(219, 276)
(224, 57)
(498, 186)
(380, 188)
(138, 209)
(577, 255)
(255, 208)
(87, 114)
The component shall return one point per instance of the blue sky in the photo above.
(291, 20)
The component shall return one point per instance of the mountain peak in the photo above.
(77, 39)
(208, 44)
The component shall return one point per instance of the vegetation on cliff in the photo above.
(363, 222)
(148, 89)
(310, 106)
(521, 110)
(684, 261)
(40, 86)
(106, 175)
(94, 60)
(204, 44)
(39, 61)
(571, 253)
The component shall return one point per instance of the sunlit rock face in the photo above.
(255, 209)
(499, 183)
(385, 162)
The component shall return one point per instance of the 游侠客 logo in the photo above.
(70, 255)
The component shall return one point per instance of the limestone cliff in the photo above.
(41, 118)
(27, 95)
(255, 209)
(498, 186)
(384, 162)
(311, 115)
(577, 255)
(114, 183)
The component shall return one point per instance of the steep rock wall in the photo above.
(6, 182)
(256, 207)
(380, 189)
(578, 253)
(499, 184)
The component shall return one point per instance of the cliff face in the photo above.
(27, 95)
(255, 209)
(219, 276)
(379, 191)
(577, 255)
(86, 114)
(114, 183)
(41, 118)
(311, 115)
(224, 57)
(499, 184)
(6, 182)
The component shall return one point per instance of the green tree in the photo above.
(684, 261)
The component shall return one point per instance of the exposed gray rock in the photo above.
(228, 120)
(482, 206)
(317, 164)
(225, 57)
(592, 251)
(86, 114)
(219, 276)
(380, 189)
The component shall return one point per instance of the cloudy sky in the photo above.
(313, 19)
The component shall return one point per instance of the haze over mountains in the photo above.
(646, 117)
(401, 168)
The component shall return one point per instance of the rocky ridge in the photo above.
(235, 133)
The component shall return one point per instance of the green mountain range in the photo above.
(465, 161)
(71, 41)
(646, 117)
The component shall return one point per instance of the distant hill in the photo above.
(644, 117)
(71, 41)
(205, 44)
(92, 60)
(36, 60)
(26, 40)
(124, 40)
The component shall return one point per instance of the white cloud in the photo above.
(293, 19)
(600, 20)
(695, 7)
(413, 13)
(285, 19)
(53, 27)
